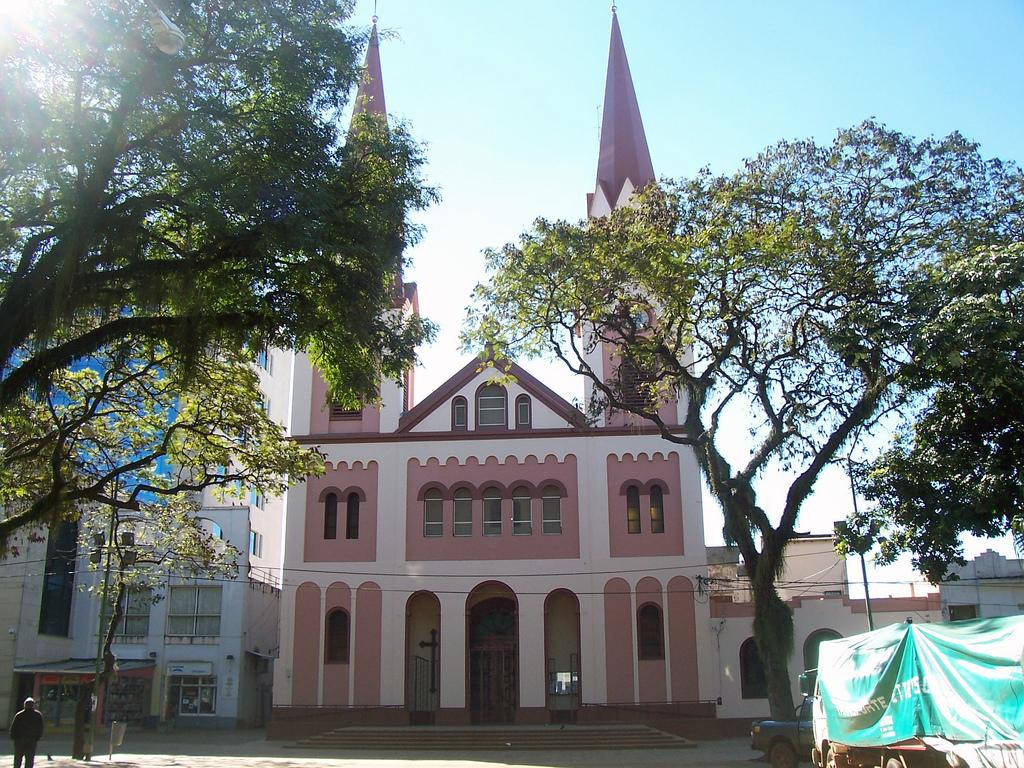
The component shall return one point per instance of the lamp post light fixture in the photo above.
(169, 37)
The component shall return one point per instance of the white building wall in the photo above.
(991, 583)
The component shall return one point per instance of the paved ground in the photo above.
(248, 749)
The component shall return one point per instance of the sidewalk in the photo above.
(249, 749)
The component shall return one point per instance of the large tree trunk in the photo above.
(773, 634)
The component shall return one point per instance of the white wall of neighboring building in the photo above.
(990, 583)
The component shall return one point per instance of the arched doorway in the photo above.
(492, 625)
(423, 654)
(562, 654)
(816, 638)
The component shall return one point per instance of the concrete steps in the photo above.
(475, 738)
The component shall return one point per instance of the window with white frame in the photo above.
(433, 513)
(522, 525)
(265, 360)
(255, 543)
(193, 611)
(135, 621)
(524, 411)
(491, 405)
(463, 525)
(193, 695)
(551, 502)
(459, 412)
(492, 512)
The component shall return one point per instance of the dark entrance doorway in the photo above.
(493, 660)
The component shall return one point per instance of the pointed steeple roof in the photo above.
(623, 155)
(370, 96)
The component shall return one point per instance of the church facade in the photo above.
(486, 556)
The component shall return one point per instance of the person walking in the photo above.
(26, 731)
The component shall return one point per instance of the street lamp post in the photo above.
(127, 557)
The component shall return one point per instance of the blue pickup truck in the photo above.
(785, 742)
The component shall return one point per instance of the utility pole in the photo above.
(859, 541)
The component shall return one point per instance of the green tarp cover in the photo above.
(961, 681)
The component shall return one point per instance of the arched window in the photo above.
(633, 509)
(491, 405)
(460, 413)
(336, 642)
(331, 516)
(524, 412)
(463, 525)
(492, 512)
(648, 632)
(522, 522)
(752, 682)
(657, 509)
(433, 513)
(815, 639)
(352, 516)
(552, 509)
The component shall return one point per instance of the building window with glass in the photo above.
(633, 509)
(336, 643)
(352, 516)
(522, 524)
(331, 516)
(524, 412)
(648, 632)
(551, 502)
(194, 611)
(194, 695)
(460, 412)
(433, 513)
(657, 509)
(491, 404)
(135, 621)
(463, 513)
(492, 512)
(255, 543)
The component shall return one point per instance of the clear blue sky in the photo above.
(506, 98)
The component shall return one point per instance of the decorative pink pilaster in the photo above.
(618, 642)
(306, 648)
(682, 640)
(368, 645)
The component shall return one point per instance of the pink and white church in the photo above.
(485, 556)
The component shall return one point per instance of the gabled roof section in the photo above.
(370, 96)
(623, 154)
(527, 381)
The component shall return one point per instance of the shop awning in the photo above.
(79, 666)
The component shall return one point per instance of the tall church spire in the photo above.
(624, 162)
(370, 96)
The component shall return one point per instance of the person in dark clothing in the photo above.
(26, 731)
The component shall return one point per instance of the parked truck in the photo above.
(921, 696)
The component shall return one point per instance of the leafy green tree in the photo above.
(786, 296)
(129, 443)
(135, 420)
(207, 197)
(960, 468)
(159, 537)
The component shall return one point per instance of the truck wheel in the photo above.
(830, 758)
(893, 762)
(781, 755)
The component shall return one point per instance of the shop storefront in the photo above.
(191, 689)
(59, 686)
